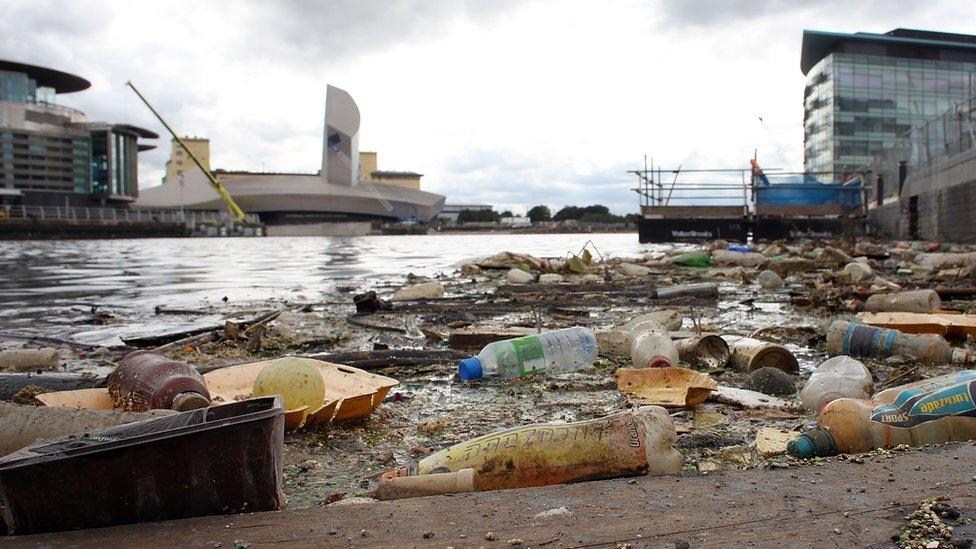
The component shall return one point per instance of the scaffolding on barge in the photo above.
(736, 203)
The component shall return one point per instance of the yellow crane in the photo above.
(224, 195)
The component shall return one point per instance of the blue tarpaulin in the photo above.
(803, 190)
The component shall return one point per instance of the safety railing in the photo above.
(117, 215)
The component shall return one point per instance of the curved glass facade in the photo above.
(856, 106)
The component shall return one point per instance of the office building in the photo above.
(865, 89)
(52, 155)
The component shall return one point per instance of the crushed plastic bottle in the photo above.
(653, 348)
(565, 350)
(931, 411)
(838, 377)
(917, 301)
(633, 442)
(858, 340)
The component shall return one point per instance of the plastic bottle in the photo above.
(565, 350)
(858, 340)
(633, 442)
(708, 351)
(24, 360)
(692, 259)
(858, 271)
(707, 290)
(147, 381)
(928, 412)
(742, 259)
(838, 377)
(918, 301)
(653, 349)
(426, 290)
(750, 354)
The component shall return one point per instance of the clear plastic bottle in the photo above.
(838, 377)
(566, 350)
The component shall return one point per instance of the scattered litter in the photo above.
(670, 387)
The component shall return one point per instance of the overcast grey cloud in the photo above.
(506, 102)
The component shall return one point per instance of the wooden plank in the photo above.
(945, 324)
(838, 504)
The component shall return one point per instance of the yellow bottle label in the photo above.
(538, 455)
(929, 402)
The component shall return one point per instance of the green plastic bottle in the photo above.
(692, 259)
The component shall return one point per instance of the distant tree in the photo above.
(483, 216)
(568, 212)
(595, 213)
(507, 213)
(539, 213)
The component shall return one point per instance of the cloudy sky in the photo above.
(511, 103)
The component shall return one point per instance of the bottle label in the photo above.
(930, 402)
(860, 340)
(530, 354)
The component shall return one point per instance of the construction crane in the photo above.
(224, 195)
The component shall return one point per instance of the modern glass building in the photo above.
(51, 155)
(864, 90)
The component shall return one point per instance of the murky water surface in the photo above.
(50, 287)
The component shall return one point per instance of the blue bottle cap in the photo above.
(470, 368)
(815, 443)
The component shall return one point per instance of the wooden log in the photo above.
(477, 337)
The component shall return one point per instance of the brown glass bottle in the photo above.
(145, 380)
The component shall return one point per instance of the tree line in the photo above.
(595, 213)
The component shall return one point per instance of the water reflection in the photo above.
(50, 286)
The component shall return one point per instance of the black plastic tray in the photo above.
(218, 460)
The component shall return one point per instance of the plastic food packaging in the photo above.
(653, 349)
(838, 377)
(917, 301)
(145, 380)
(629, 443)
(858, 340)
(931, 411)
(669, 386)
(565, 350)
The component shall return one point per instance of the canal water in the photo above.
(66, 288)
